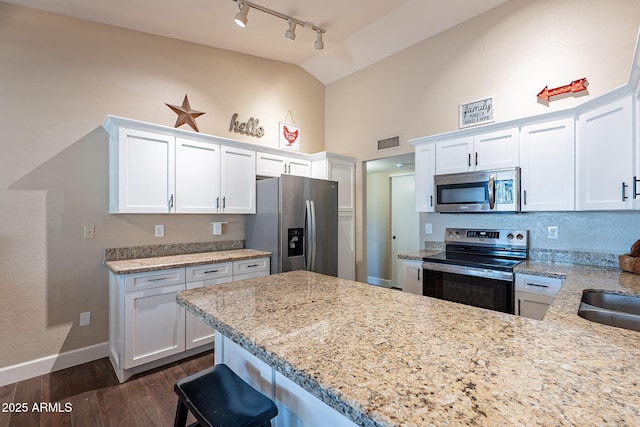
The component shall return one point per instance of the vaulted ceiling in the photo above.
(358, 32)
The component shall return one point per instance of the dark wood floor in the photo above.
(90, 395)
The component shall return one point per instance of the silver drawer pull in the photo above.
(158, 279)
(537, 285)
(253, 265)
(211, 271)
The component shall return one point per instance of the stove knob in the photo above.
(510, 236)
(450, 234)
(519, 236)
(457, 235)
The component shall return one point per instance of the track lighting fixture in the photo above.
(319, 44)
(291, 32)
(241, 17)
(241, 20)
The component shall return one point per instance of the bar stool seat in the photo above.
(217, 397)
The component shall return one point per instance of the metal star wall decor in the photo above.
(185, 114)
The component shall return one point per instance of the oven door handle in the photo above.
(467, 271)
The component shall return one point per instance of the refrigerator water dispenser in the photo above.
(296, 239)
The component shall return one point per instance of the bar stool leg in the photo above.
(181, 415)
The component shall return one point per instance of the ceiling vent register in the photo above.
(389, 143)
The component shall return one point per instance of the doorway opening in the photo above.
(390, 212)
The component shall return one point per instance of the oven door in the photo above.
(478, 287)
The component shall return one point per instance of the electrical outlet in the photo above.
(552, 232)
(85, 318)
(428, 228)
(159, 230)
(89, 232)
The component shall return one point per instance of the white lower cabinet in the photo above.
(412, 276)
(534, 295)
(296, 406)
(147, 328)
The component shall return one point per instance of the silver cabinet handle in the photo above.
(476, 158)
(224, 202)
(469, 161)
(519, 310)
(635, 187)
(171, 202)
(431, 200)
(158, 279)
(419, 274)
(285, 168)
(211, 271)
(624, 195)
(492, 192)
(218, 202)
(253, 265)
(524, 197)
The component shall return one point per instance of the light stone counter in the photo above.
(140, 265)
(383, 357)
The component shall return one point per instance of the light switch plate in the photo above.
(159, 230)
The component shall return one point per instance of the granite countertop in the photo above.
(384, 357)
(140, 265)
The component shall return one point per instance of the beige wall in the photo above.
(59, 78)
(510, 52)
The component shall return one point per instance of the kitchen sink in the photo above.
(609, 308)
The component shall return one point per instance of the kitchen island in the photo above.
(381, 357)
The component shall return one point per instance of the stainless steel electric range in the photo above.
(476, 267)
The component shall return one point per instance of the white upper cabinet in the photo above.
(492, 150)
(547, 157)
(197, 176)
(141, 172)
(274, 165)
(604, 157)
(238, 181)
(425, 169)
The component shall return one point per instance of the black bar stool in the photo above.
(217, 397)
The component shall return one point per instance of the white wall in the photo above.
(510, 52)
(59, 77)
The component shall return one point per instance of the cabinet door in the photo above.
(197, 176)
(531, 305)
(238, 180)
(454, 155)
(154, 325)
(145, 169)
(425, 169)
(346, 245)
(299, 167)
(344, 173)
(604, 176)
(412, 277)
(496, 150)
(547, 157)
(270, 164)
(197, 331)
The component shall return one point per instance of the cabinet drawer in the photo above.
(251, 265)
(539, 285)
(209, 271)
(153, 279)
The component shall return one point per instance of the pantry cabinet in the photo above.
(147, 328)
(547, 157)
(274, 165)
(341, 169)
(491, 150)
(425, 158)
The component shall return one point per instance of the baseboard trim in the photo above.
(33, 368)
(377, 281)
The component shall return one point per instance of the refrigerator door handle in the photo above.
(307, 235)
(314, 236)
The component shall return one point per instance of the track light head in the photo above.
(291, 32)
(319, 44)
(241, 17)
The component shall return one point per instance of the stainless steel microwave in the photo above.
(483, 191)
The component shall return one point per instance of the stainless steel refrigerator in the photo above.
(297, 220)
